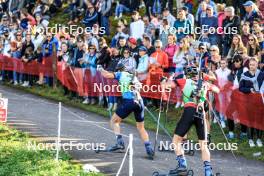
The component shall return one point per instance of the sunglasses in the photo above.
(213, 50)
(201, 48)
(237, 61)
(91, 48)
(157, 46)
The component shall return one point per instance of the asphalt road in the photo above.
(39, 117)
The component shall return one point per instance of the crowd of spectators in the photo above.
(159, 40)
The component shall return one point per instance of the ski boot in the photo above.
(149, 150)
(208, 169)
(119, 146)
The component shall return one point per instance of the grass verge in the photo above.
(17, 159)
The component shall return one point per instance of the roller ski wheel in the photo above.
(115, 148)
(174, 173)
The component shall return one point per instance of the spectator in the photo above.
(215, 56)
(89, 62)
(169, 17)
(105, 14)
(78, 53)
(164, 31)
(48, 44)
(236, 45)
(201, 13)
(182, 25)
(210, 25)
(90, 39)
(245, 33)
(91, 17)
(147, 44)
(253, 46)
(250, 83)
(16, 54)
(132, 44)
(122, 44)
(137, 26)
(143, 64)
(160, 59)
(252, 12)
(222, 78)
(234, 77)
(104, 55)
(189, 16)
(148, 25)
(128, 61)
(115, 58)
(170, 49)
(121, 32)
(221, 17)
(180, 60)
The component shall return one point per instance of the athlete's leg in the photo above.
(177, 144)
(115, 123)
(204, 150)
(142, 131)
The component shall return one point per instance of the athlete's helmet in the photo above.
(191, 71)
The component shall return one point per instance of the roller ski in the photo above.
(118, 147)
(180, 171)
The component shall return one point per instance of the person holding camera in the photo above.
(194, 97)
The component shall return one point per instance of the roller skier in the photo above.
(194, 89)
(132, 102)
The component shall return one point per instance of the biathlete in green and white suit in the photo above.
(193, 104)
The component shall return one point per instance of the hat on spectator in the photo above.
(248, 3)
(132, 41)
(142, 48)
(121, 37)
